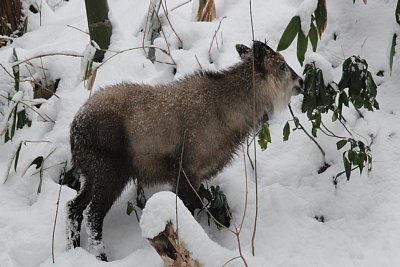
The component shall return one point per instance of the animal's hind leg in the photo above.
(108, 187)
(75, 208)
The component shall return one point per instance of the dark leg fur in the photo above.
(186, 193)
(111, 177)
(75, 210)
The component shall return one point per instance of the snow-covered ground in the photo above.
(362, 216)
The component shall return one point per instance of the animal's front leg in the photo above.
(186, 190)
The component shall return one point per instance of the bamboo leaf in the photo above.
(16, 71)
(17, 156)
(313, 35)
(321, 16)
(393, 47)
(289, 33)
(347, 167)
(38, 162)
(302, 43)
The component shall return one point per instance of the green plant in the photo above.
(317, 27)
(357, 87)
(214, 200)
(17, 119)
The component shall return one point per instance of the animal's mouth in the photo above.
(296, 90)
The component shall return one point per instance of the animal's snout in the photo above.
(298, 87)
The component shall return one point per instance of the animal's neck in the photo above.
(247, 102)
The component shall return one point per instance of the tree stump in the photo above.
(172, 251)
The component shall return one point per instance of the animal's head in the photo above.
(271, 67)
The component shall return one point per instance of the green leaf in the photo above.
(341, 144)
(16, 71)
(38, 162)
(314, 131)
(302, 43)
(393, 47)
(14, 123)
(23, 120)
(369, 162)
(347, 167)
(286, 131)
(334, 116)
(321, 16)
(17, 156)
(289, 33)
(313, 35)
(129, 208)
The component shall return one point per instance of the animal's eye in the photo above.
(282, 66)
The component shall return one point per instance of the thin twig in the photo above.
(329, 132)
(177, 187)
(248, 149)
(76, 28)
(212, 41)
(247, 190)
(58, 204)
(165, 38)
(131, 49)
(198, 62)
(32, 108)
(170, 24)
(235, 258)
(254, 143)
(178, 6)
(304, 130)
(68, 54)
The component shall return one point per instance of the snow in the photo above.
(362, 219)
(305, 10)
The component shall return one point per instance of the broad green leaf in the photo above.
(321, 16)
(313, 35)
(286, 131)
(289, 33)
(341, 144)
(393, 47)
(302, 43)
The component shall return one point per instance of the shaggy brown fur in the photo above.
(137, 131)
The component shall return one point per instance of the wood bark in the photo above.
(10, 16)
(172, 252)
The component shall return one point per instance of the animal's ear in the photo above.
(242, 50)
(260, 52)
